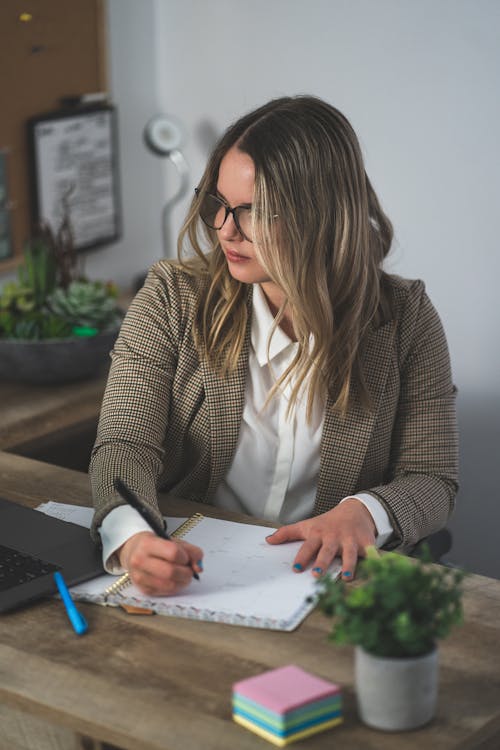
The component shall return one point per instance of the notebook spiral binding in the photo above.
(179, 533)
(188, 524)
(118, 585)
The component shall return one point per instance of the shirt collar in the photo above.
(262, 322)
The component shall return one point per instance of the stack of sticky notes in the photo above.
(286, 704)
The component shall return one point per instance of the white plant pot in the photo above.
(396, 694)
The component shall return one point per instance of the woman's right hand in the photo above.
(157, 566)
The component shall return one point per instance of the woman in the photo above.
(278, 370)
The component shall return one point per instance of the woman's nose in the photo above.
(229, 230)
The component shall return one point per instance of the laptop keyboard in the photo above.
(17, 567)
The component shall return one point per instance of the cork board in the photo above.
(49, 49)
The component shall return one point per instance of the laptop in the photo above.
(33, 546)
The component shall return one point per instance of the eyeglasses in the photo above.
(214, 212)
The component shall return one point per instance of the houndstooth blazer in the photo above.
(169, 421)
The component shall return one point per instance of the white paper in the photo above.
(245, 580)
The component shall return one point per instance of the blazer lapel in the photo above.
(345, 439)
(225, 399)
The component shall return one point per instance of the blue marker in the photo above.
(75, 617)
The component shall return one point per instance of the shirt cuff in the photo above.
(119, 525)
(378, 513)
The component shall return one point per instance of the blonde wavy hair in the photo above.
(319, 232)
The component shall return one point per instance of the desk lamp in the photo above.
(163, 136)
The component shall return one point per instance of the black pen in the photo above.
(132, 499)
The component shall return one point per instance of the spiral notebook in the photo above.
(245, 581)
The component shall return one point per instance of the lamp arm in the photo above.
(181, 165)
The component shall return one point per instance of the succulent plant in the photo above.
(38, 273)
(48, 300)
(85, 304)
(17, 298)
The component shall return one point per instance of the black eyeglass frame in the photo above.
(201, 193)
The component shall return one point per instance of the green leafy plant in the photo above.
(38, 274)
(33, 325)
(399, 607)
(50, 299)
(85, 304)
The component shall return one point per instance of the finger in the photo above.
(161, 577)
(165, 549)
(306, 553)
(157, 557)
(178, 553)
(290, 533)
(174, 551)
(327, 553)
(364, 543)
(163, 570)
(156, 587)
(349, 560)
(195, 555)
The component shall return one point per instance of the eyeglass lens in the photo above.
(214, 213)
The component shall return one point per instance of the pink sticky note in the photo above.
(284, 689)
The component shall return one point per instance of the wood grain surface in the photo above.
(160, 683)
(36, 414)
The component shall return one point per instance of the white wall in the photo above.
(419, 82)
(134, 76)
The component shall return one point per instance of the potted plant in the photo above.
(394, 615)
(55, 324)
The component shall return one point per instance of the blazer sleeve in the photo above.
(423, 473)
(135, 408)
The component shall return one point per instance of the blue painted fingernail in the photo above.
(317, 570)
(200, 564)
(347, 573)
(298, 566)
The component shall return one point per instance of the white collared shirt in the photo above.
(275, 468)
(276, 464)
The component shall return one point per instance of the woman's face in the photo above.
(236, 187)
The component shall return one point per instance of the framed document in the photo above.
(74, 163)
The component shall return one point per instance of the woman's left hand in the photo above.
(345, 531)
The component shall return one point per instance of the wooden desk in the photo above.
(54, 423)
(157, 683)
(44, 418)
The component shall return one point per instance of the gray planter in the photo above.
(396, 694)
(55, 360)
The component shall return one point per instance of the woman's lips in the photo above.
(235, 257)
